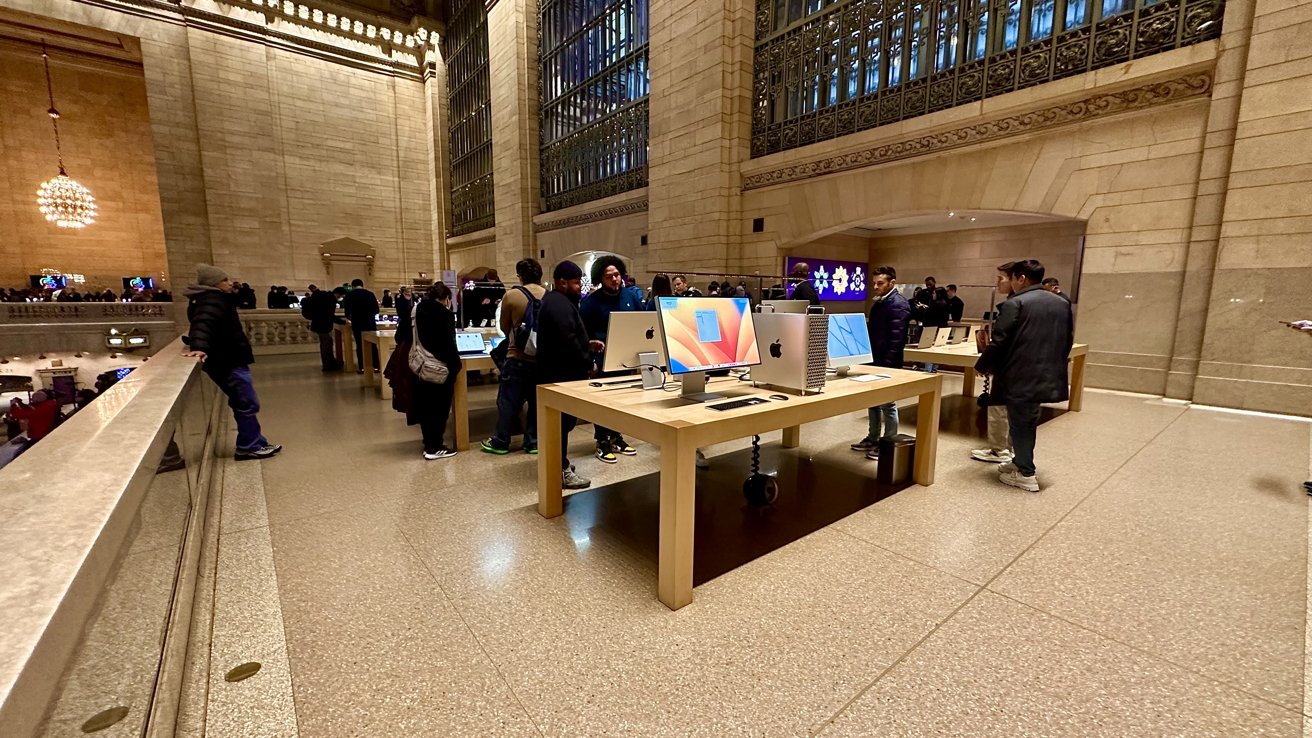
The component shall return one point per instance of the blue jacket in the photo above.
(888, 329)
(597, 307)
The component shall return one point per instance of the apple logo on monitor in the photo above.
(651, 333)
(776, 350)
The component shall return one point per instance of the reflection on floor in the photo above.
(1156, 586)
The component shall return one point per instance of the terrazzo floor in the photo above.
(1157, 586)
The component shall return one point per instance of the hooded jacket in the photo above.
(216, 330)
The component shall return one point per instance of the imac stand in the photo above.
(694, 388)
(649, 368)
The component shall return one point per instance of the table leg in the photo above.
(792, 436)
(968, 382)
(348, 349)
(550, 500)
(337, 347)
(460, 407)
(927, 413)
(1076, 403)
(678, 498)
(368, 356)
(385, 387)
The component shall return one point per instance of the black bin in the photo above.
(896, 456)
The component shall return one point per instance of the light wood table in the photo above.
(679, 428)
(344, 345)
(386, 342)
(460, 403)
(964, 356)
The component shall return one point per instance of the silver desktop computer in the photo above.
(849, 341)
(794, 351)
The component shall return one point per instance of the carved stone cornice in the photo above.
(615, 211)
(1090, 108)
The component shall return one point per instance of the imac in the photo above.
(704, 334)
(786, 306)
(849, 341)
(629, 336)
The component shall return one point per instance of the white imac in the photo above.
(785, 306)
(704, 334)
(849, 341)
(630, 335)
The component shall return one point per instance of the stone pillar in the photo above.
(700, 132)
(512, 36)
(437, 124)
(1264, 259)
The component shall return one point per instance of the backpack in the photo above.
(526, 333)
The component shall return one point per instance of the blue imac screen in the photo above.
(848, 335)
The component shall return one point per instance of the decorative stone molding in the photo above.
(278, 329)
(616, 211)
(1090, 108)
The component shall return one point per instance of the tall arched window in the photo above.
(469, 103)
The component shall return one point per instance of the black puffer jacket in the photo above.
(1031, 345)
(435, 329)
(216, 330)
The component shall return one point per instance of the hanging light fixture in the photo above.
(62, 200)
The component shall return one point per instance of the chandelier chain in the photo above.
(53, 111)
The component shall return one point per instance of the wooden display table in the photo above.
(460, 403)
(344, 345)
(964, 356)
(386, 342)
(679, 428)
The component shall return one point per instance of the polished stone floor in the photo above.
(1157, 586)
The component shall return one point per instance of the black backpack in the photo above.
(526, 333)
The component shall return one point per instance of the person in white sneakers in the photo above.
(1027, 357)
(999, 449)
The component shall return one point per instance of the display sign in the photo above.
(833, 280)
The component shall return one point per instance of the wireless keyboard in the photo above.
(735, 404)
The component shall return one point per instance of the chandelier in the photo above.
(62, 200)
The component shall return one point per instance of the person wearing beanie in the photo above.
(217, 339)
(564, 351)
(611, 295)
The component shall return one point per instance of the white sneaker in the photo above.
(702, 462)
(1006, 467)
(1015, 479)
(991, 456)
(570, 479)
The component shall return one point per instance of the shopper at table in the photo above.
(683, 289)
(956, 306)
(564, 351)
(1027, 357)
(435, 330)
(361, 307)
(217, 339)
(611, 296)
(998, 450)
(889, 314)
(660, 287)
(519, 375)
(320, 309)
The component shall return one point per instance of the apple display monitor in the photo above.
(704, 334)
(629, 335)
(786, 306)
(849, 340)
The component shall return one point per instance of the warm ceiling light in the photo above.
(952, 215)
(62, 200)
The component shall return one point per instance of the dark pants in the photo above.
(433, 406)
(567, 423)
(237, 385)
(1023, 422)
(519, 384)
(359, 350)
(602, 434)
(326, 350)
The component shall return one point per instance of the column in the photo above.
(512, 35)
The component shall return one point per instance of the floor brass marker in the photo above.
(245, 671)
(104, 719)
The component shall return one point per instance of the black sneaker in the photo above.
(606, 454)
(490, 446)
(865, 445)
(441, 453)
(259, 453)
(619, 444)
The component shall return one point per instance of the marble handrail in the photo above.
(67, 510)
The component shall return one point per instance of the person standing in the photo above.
(660, 287)
(683, 289)
(804, 290)
(217, 339)
(519, 376)
(999, 449)
(435, 330)
(271, 299)
(611, 296)
(404, 305)
(956, 306)
(1053, 285)
(1027, 357)
(387, 299)
(361, 307)
(889, 315)
(321, 310)
(564, 351)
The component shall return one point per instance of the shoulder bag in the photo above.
(423, 364)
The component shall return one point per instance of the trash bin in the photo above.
(896, 455)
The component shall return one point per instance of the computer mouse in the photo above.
(778, 397)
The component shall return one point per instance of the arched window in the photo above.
(469, 99)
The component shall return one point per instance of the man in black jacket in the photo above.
(889, 315)
(361, 308)
(320, 309)
(956, 306)
(217, 339)
(1027, 357)
(564, 351)
(804, 289)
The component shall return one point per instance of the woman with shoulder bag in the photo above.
(435, 361)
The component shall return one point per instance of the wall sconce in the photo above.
(133, 339)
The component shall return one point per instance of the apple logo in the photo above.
(776, 350)
(651, 333)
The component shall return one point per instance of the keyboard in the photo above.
(869, 377)
(735, 404)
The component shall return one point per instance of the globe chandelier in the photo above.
(62, 200)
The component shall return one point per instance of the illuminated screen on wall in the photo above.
(834, 280)
(707, 333)
(48, 281)
(138, 283)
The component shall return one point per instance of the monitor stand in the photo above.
(694, 388)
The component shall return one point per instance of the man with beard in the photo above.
(564, 351)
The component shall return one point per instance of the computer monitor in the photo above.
(703, 334)
(470, 342)
(849, 340)
(786, 306)
(629, 335)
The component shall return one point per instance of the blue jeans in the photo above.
(1023, 422)
(245, 406)
(519, 384)
(888, 413)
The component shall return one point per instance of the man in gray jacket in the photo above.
(1027, 357)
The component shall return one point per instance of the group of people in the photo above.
(27, 423)
(73, 294)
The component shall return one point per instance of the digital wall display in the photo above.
(842, 281)
(707, 333)
(138, 283)
(48, 281)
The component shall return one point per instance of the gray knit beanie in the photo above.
(209, 276)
